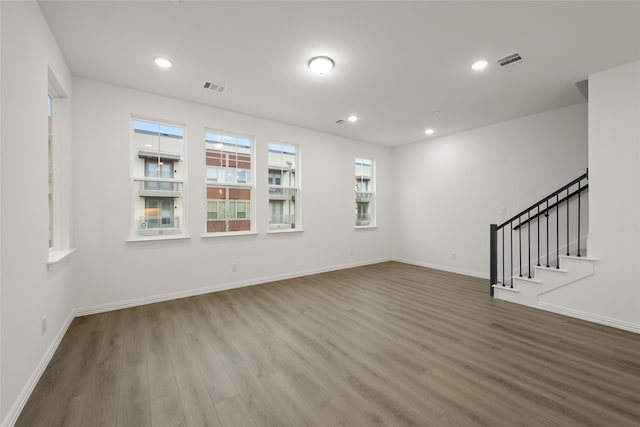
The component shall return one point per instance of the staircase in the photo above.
(542, 248)
(545, 280)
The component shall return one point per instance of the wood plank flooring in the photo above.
(382, 345)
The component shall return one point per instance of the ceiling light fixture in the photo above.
(163, 62)
(321, 65)
(429, 131)
(352, 118)
(480, 65)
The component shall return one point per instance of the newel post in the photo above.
(493, 257)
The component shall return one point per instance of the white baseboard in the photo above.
(442, 267)
(607, 321)
(18, 405)
(216, 288)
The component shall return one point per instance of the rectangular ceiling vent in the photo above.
(339, 121)
(216, 87)
(510, 59)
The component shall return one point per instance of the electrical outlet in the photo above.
(43, 326)
(234, 267)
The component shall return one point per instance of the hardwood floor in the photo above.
(388, 344)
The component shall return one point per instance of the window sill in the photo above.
(57, 256)
(230, 233)
(158, 238)
(366, 227)
(285, 231)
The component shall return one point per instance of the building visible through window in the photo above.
(365, 207)
(283, 187)
(158, 171)
(229, 182)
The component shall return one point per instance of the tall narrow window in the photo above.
(50, 166)
(284, 172)
(158, 172)
(365, 192)
(229, 179)
(58, 161)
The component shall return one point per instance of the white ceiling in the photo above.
(396, 62)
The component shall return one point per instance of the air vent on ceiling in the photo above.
(216, 87)
(509, 59)
(339, 121)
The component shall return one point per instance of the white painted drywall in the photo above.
(448, 190)
(29, 289)
(109, 270)
(612, 294)
(1, 135)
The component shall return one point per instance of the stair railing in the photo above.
(537, 215)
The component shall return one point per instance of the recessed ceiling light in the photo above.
(321, 65)
(429, 131)
(480, 65)
(352, 118)
(163, 62)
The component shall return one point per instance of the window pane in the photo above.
(364, 177)
(283, 182)
(232, 210)
(282, 164)
(158, 165)
(231, 154)
(228, 162)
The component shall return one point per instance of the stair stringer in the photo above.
(545, 280)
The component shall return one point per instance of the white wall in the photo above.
(612, 294)
(29, 290)
(448, 190)
(1, 135)
(110, 271)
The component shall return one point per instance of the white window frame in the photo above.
(282, 187)
(59, 208)
(231, 185)
(370, 193)
(50, 159)
(137, 179)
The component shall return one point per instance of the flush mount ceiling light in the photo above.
(162, 62)
(429, 131)
(352, 118)
(479, 65)
(321, 65)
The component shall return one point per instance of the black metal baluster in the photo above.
(529, 240)
(579, 195)
(557, 232)
(511, 248)
(503, 279)
(520, 244)
(568, 252)
(547, 215)
(538, 219)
